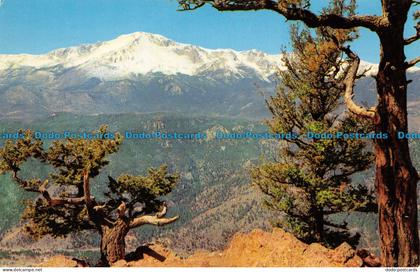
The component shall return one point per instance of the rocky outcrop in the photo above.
(255, 249)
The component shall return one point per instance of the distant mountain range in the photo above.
(184, 88)
(139, 72)
(142, 53)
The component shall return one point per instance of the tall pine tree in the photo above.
(312, 178)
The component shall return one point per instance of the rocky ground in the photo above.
(255, 249)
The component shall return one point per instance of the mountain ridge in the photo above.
(141, 48)
(143, 72)
(143, 53)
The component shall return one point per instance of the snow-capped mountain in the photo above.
(141, 72)
(143, 53)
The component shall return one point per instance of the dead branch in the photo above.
(349, 82)
(412, 62)
(151, 220)
(121, 210)
(157, 219)
(412, 39)
(162, 213)
(86, 188)
(291, 12)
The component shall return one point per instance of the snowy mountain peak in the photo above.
(142, 53)
(125, 40)
(139, 36)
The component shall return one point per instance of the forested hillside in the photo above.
(214, 199)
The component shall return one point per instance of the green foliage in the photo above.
(68, 160)
(134, 190)
(312, 178)
(42, 219)
(71, 157)
(13, 155)
(211, 176)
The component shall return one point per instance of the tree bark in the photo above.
(396, 178)
(113, 242)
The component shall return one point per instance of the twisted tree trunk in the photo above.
(396, 178)
(113, 242)
(113, 235)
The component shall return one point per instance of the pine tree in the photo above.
(65, 204)
(312, 178)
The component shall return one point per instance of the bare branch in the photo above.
(412, 39)
(373, 23)
(294, 13)
(56, 201)
(42, 189)
(95, 212)
(86, 188)
(61, 201)
(412, 62)
(156, 219)
(349, 87)
(121, 210)
(187, 7)
(24, 184)
(151, 220)
(162, 213)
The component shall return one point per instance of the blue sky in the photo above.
(38, 26)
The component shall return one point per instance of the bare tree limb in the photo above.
(121, 210)
(24, 184)
(95, 212)
(162, 213)
(412, 62)
(151, 220)
(61, 201)
(412, 39)
(56, 201)
(86, 188)
(349, 87)
(52, 201)
(294, 13)
(188, 7)
(156, 219)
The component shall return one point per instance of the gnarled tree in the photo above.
(396, 178)
(65, 203)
